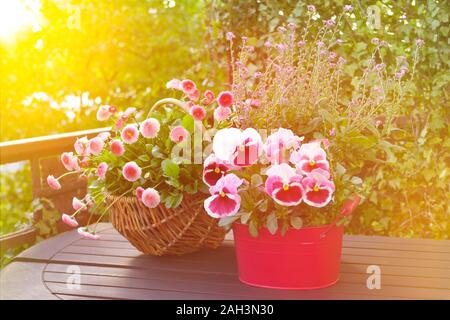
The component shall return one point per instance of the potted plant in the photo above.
(287, 196)
(146, 172)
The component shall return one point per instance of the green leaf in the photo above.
(157, 153)
(253, 228)
(170, 168)
(188, 123)
(356, 180)
(144, 158)
(256, 180)
(245, 216)
(272, 223)
(226, 221)
(296, 222)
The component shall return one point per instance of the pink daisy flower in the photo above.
(318, 190)
(188, 86)
(178, 134)
(103, 113)
(77, 204)
(95, 146)
(69, 161)
(225, 99)
(173, 84)
(151, 198)
(310, 156)
(149, 128)
(194, 95)
(84, 232)
(222, 113)
(198, 113)
(81, 146)
(139, 192)
(209, 96)
(130, 134)
(117, 148)
(284, 185)
(101, 170)
(224, 200)
(53, 183)
(70, 221)
(131, 171)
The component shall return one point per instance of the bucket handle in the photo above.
(347, 209)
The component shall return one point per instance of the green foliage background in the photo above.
(124, 52)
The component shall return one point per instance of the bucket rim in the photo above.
(324, 226)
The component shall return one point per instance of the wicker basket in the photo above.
(162, 231)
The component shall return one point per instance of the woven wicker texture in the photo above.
(162, 231)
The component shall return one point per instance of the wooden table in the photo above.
(111, 268)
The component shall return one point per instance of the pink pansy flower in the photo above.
(103, 113)
(284, 185)
(149, 128)
(178, 134)
(209, 96)
(194, 95)
(222, 113)
(69, 161)
(95, 146)
(241, 148)
(53, 183)
(198, 113)
(150, 198)
(310, 156)
(117, 148)
(130, 134)
(224, 200)
(318, 190)
(173, 84)
(225, 99)
(131, 171)
(70, 221)
(84, 232)
(213, 170)
(279, 145)
(188, 86)
(101, 170)
(139, 192)
(81, 146)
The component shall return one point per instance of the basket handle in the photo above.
(185, 108)
(347, 209)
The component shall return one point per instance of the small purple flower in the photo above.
(375, 41)
(339, 41)
(348, 8)
(320, 44)
(301, 43)
(282, 29)
(244, 39)
(329, 23)
(267, 44)
(332, 132)
(292, 26)
(420, 42)
(341, 61)
(229, 36)
(311, 8)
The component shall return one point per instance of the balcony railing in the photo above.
(43, 156)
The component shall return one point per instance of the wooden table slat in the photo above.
(111, 268)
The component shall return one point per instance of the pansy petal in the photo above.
(222, 206)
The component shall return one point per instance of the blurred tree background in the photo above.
(77, 54)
